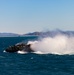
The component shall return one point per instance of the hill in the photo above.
(48, 33)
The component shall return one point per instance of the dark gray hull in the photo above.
(19, 47)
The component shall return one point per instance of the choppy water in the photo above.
(33, 64)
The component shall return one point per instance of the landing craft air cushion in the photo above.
(19, 47)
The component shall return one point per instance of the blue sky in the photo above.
(22, 16)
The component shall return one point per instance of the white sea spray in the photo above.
(59, 44)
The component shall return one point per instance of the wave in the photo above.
(22, 52)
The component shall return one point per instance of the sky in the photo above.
(23, 16)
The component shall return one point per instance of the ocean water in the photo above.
(31, 63)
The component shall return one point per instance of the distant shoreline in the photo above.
(48, 33)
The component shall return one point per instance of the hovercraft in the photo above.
(19, 47)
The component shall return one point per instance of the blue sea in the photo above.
(31, 63)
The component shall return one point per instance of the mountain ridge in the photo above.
(37, 33)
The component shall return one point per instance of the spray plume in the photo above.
(59, 44)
